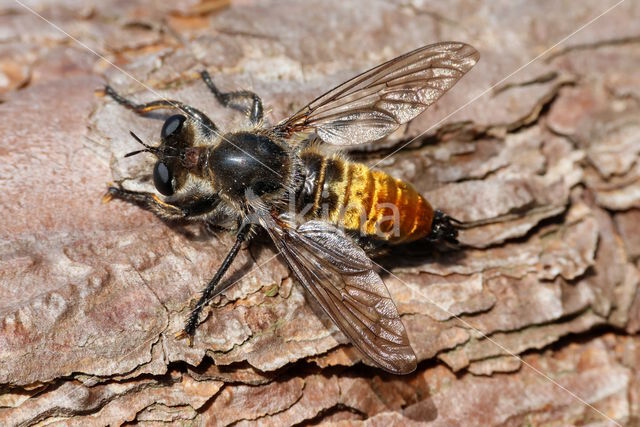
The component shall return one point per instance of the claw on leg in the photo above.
(107, 197)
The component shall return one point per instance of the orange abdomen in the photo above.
(372, 203)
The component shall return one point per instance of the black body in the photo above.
(248, 161)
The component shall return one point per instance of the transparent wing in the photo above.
(375, 103)
(340, 276)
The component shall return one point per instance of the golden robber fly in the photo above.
(325, 214)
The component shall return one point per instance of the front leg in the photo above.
(163, 104)
(239, 100)
(185, 208)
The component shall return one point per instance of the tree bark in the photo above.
(536, 150)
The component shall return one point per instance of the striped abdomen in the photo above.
(362, 200)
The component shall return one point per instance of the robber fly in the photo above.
(248, 178)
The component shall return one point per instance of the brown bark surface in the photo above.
(534, 322)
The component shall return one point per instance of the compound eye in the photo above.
(162, 179)
(172, 126)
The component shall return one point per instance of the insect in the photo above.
(325, 214)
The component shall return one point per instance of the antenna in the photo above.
(148, 148)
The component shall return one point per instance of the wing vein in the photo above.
(352, 112)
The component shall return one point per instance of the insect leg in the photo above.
(163, 104)
(192, 322)
(146, 107)
(146, 200)
(171, 211)
(238, 100)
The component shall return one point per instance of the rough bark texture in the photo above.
(544, 168)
